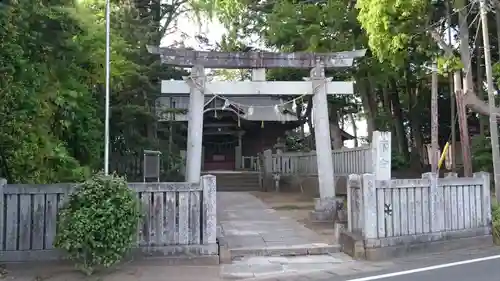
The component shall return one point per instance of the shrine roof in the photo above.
(258, 108)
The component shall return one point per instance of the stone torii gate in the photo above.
(317, 85)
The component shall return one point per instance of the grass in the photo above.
(291, 207)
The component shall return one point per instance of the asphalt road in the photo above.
(482, 264)
(486, 270)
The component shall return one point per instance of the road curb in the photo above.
(312, 274)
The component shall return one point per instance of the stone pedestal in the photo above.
(325, 209)
(339, 227)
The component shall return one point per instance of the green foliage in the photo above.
(52, 87)
(481, 154)
(496, 72)
(294, 143)
(98, 224)
(398, 161)
(495, 217)
(448, 65)
(394, 27)
(50, 128)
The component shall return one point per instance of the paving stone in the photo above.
(251, 228)
(266, 268)
(309, 266)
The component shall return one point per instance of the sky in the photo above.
(213, 31)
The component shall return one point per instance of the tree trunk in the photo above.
(397, 114)
(335, 131)
(467, 88)
(363, 89)
(354, 129)
(464, 45)
(415, 124)
(386, 98)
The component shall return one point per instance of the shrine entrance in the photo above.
(220, 140)
(317, 85)
(219, 152)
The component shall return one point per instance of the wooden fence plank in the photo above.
(477, 204)
(419, 218)
(381, 229)
(11, 222)
(411, 210)
(183, 218)
(404, 210)
(454, 208)
(158, 218)
(467, 206)
(195, 218)
(37, 235)
(25, 222)
(396, 211)
(460, 206)
(163, 186)
(389, 204)
(171, 218)
(50, 220)
(146, 223)
(448, 216)
(140, 222)
(426, 217)
(26, 189)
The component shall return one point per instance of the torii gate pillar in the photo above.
(196, 84)
(325, 206)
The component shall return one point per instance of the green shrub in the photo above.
(482, 159)
(98, 224)
(495, 224)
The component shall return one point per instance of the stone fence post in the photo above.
(369, 195)
(485, 197)
(268, 161)
(209, 216)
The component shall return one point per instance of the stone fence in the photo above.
(390, 218)
(302, 167)
(179, 219)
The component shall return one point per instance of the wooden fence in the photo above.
(345, 161)
(402, 207)
(179, 218)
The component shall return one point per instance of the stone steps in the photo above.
(233, 181)
(283, 251)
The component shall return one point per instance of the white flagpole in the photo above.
(106, 106)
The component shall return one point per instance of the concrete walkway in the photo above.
(248, 227)
(257, 243)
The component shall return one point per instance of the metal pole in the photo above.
(106, 105)
(495, 147)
